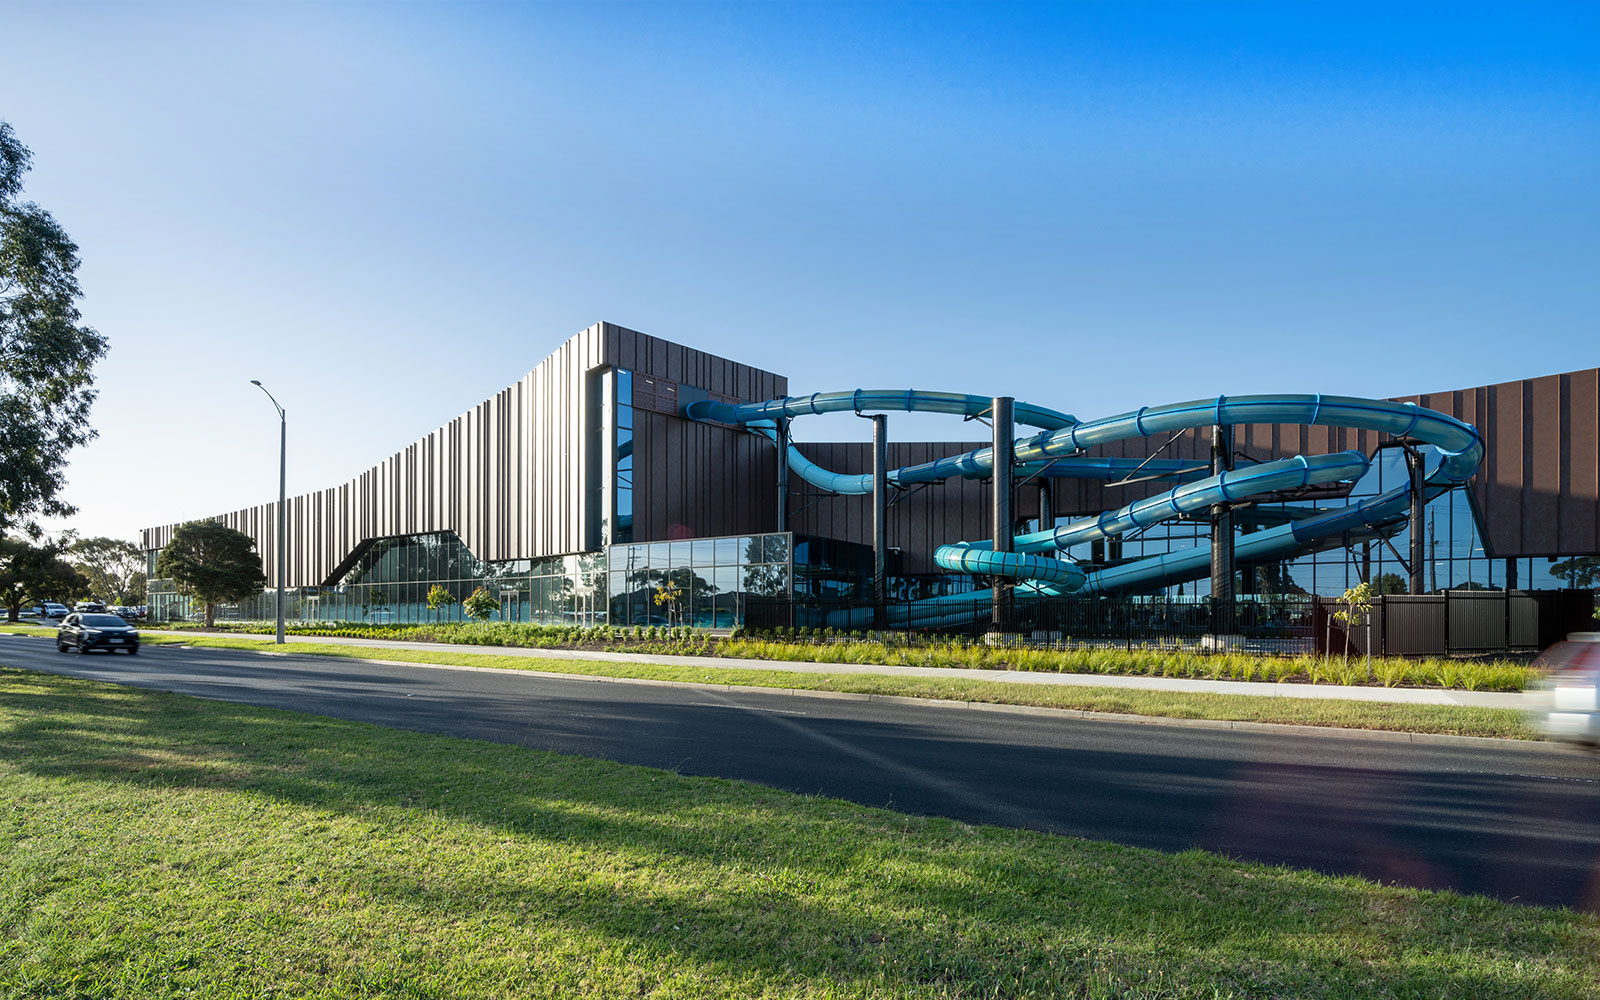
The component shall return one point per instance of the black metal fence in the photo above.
(1454, 622)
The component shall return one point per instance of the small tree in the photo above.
(30, 574)
(438, 599)
(480, 605)
(376, 600)
(1357, 603)
(212, 563)
(668, 595)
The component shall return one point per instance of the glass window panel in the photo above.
(776, 548)
(660, 555)
(702, 609)
(764, 579)
(624, 387)
(703, 552)
(727, 551)
(680, 555)
(751, 550)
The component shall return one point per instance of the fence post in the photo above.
(1447, 622)
(1383, 630)
(1507, 611)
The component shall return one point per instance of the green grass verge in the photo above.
(159, 846)
(1390, 671)
(832, 646)
(1453, 720)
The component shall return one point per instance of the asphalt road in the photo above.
(1516, 823)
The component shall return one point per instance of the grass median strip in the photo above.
(1456, 720)
(160, 846)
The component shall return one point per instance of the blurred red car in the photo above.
(1570, 696)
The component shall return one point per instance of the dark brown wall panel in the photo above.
(1579, 524)
(509, 475)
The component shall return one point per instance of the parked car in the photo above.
(1568, 698)
(50, 609)
(89, 607)
(93, 631)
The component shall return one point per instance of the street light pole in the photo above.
(283, 481)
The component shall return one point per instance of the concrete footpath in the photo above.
(1405, 696)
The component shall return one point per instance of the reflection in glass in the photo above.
(776, 548)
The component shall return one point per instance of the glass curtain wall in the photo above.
(391, 580)
(1454, 556)
(622, 477)
(702, 582)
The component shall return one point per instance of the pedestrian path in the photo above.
(1405, 696)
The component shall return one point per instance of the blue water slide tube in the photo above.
(1056, 450)
(1022, 562)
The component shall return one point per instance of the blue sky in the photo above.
(388, 212)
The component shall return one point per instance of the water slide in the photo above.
(1037, 562)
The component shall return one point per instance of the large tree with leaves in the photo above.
(30, 574)
(114, 568)
(213, 564)
(47, 355)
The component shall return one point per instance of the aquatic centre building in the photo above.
(623, 462)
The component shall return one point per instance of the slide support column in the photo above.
(783, 474)
(1414, 466)
(880, 519)
(1002, 530)
(1222, 597)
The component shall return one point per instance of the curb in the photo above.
(1283, 728)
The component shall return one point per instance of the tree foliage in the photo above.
(1393, 583)
(47, 355)
(1578, 572)
(438, 599)
(30, 574)
(212, 563)
(480, 604)
(114, 568)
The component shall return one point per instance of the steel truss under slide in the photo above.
(1037, 561)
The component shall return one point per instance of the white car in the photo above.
(1569, 698)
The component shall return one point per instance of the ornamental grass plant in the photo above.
(830, 646)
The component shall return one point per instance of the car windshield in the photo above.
(103, 621)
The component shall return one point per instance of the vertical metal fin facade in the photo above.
(509, 476)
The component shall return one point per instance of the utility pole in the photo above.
(283, 473)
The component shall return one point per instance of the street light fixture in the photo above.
(283, 469)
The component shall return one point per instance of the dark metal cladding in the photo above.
(512, 476)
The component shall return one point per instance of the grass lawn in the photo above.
(153, 845)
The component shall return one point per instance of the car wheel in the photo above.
(133, 650)
(83, 649)
(61, 647)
